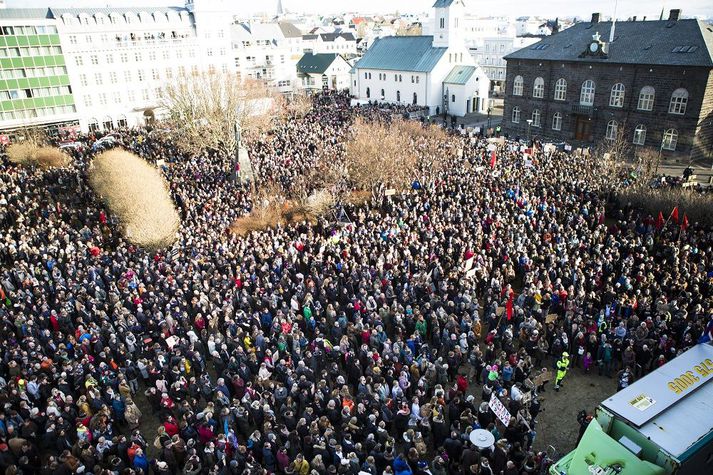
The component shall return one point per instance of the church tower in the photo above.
(449, 17)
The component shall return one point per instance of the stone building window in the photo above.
(679, 99)
(616, 98)
(560, 89)
(536, 118)
(646, 98)
(517, 86)
(557, 121)
(586, 95)
(515, 115)
(538, 90)
(612, 129)
(639, 134)
(670, 139)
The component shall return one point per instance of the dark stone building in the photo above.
(650, 82)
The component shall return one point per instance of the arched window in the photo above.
(612, 128)
(538, 90)
(536, 116)
(586, 95)
(557, 121)
(382, 95)
(398, 96)
(561, 89)
(517, 86)
(616, 98)
(368, 93)
(121, 121)
(679, 99)
(415, 98)
(515, 115)
(639, 134)
(93, 125)
(670, 139)
(108, 124)
(646, 98)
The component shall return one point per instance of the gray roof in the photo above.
(442, 3)
(402, 53)
(333, 36)
(315, 63)
(658, 411)
(460, 75)
(24, 13)
(289, 30)
(635, 42)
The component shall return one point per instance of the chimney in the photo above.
(674, 14)
(595, 17)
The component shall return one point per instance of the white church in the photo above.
(435, 71)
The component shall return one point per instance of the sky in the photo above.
(548, 8)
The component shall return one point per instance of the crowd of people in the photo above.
(369, 346)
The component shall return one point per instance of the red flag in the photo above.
(508, 306)
(684, 224)
(659, 221)
(674, 214)
(493, 159)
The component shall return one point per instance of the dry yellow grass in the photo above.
(28, 153)
(137, 194)
(272, 215)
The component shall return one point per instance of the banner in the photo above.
(500, 411)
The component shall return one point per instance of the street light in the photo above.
(490, 109)
(529, 123)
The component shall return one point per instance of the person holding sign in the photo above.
(562, 366)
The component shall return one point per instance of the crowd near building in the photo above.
(649, 83)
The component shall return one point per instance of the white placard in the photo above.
(500, 411)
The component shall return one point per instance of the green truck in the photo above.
(660, 425)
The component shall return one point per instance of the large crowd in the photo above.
(367, 346)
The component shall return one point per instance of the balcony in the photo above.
(580, 109)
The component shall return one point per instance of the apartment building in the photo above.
(35, 87)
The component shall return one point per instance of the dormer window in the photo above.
(443, 23)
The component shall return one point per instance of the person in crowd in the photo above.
(324, 346)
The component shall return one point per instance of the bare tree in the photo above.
(204, 108)
(393, 155)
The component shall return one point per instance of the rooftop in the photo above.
(658, 42)
(402, 53)
(315, 63)
(658, 409)
(460, 75)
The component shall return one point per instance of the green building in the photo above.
(34, 85)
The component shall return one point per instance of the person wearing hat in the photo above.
(562, 366)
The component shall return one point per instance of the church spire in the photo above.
(280, 10)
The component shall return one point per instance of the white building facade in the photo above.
(489, 52)
(261, 51)
(411, 69)
(119, 59)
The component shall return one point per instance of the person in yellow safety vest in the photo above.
(562, 366)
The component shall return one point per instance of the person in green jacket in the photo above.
(562, 366)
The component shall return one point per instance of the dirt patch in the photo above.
(557, 422)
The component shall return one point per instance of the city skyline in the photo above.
(553, 8)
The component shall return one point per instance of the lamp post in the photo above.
(529, 123)
(236, 162)
(490, 109)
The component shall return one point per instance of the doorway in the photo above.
(583, 129)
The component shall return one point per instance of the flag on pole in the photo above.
(493, 159)
(674, 214)
(684, 224)
(660, 221)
